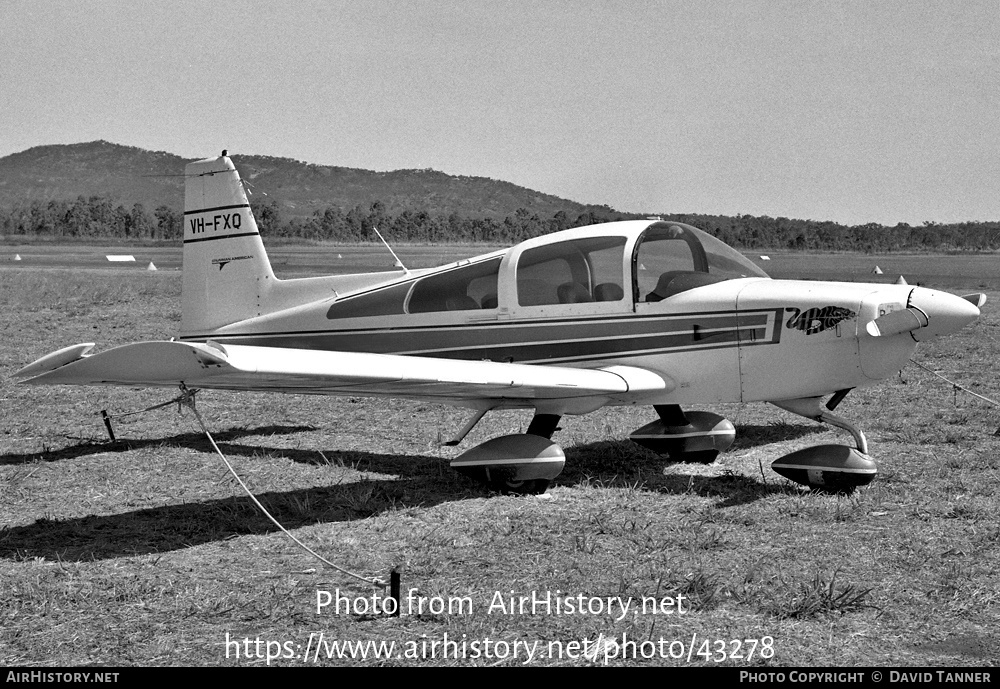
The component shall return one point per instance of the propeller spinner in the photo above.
(928, 313)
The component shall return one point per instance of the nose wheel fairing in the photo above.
(837, 468)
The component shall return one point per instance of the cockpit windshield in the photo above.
(672, 257)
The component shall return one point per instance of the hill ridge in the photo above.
(129, 174)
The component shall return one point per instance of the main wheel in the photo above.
(702, 457)
(535, 486)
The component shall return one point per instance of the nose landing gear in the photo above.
(836, 468)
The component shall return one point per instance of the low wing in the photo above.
(241, 367)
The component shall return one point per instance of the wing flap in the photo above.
(242, 367)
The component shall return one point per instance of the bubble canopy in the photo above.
(598, 269)
(703, 253)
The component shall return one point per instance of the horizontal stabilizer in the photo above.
(139, 364)
(241, 367)
(52, 361)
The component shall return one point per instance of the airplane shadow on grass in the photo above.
(192, 440)
(422, 481)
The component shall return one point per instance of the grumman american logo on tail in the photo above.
(221, 262)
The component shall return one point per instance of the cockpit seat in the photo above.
(461, 303)
(573, 293)
(676, 281)
(609, 291)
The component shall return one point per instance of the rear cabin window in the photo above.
(572, 272)
(466, 288)
(387, 301)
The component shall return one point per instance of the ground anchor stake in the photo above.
(107, 424)
(394, 588)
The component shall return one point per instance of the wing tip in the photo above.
(52, 361)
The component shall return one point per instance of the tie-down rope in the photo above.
(186, 399)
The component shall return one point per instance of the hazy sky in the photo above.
(850, 111)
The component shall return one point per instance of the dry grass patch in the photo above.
(144, 552)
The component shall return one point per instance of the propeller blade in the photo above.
(976, 300)
(896, 322)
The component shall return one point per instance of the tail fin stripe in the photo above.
(217, 208)
(223, 236)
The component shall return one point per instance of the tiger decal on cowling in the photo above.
(817, 320)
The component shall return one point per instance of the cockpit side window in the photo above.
(673, 258)
(465, 288)
(572, 272)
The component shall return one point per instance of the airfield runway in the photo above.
(945, 271)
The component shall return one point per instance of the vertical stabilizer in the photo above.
(226, 273)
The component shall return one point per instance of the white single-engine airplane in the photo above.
(641, 312)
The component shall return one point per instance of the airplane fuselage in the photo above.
(762, 339)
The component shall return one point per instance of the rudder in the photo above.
(226, 272)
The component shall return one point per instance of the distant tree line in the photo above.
(99, 218)
(96, 217)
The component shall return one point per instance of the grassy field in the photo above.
(287, 261)
(944, 271)
(146, 552)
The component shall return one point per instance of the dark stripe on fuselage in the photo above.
(224, 236)
(217, 208)
(409, 339)
(580, 339)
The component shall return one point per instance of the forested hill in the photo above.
(103, 190)
(125, 175)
